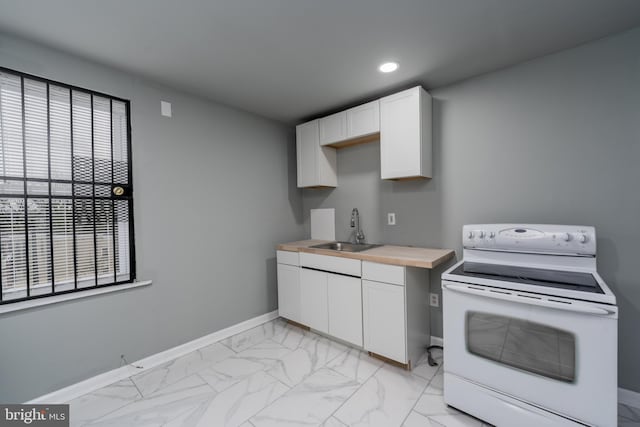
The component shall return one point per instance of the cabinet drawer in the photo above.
(383, 273)
(286, 257)
(352, 267)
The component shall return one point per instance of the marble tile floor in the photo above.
(279, 375)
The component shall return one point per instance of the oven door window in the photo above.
(529, 346)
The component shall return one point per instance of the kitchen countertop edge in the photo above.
(411, 257)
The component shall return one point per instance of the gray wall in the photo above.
(553, 140)
(214, 192)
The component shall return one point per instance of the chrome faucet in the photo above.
(355, 223)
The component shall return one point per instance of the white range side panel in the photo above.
(363, 120)
(384, 320)
(333, 128)
(289, 292)
(313, 299)
(317, 166)
(418, 312)
(405, 134)
(345, 308)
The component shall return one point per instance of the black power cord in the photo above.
(430, 359)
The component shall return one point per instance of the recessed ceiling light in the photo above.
(388, 67)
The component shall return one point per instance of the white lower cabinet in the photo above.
(331, 303)
(345, 308)
(289, 292)
(313, 299)
(384, 320)
(386, 312)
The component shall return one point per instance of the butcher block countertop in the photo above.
(386, 254)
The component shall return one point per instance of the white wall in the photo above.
(553, 140)
(214, 192)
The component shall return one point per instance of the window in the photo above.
(66, 203)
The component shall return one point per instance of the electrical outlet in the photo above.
(434, 300)
(391, 218)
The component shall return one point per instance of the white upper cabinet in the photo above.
(340, 129)
(333, 128)
(363, 120)
(405, 135)
(402, 123)
(317, 165)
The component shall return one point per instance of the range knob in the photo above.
(481, 234)
(582, 238)
(566, 237)
(470, 235)
(492, 234)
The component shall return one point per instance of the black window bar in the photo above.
(66, 194)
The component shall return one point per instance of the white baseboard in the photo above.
(629, 397)
(436, 341)
(102, 380)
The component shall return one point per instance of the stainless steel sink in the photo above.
(346, 246)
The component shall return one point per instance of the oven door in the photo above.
(554, 353)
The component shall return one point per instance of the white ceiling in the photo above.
(291, 59)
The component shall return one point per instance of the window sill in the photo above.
(39, 302)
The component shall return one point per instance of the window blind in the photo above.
(66, 199)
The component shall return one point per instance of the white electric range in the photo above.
(530, 328)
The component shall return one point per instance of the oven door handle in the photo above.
(508, 296)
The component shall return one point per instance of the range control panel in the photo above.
(536, 238)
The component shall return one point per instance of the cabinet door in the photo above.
(317, 166)
(384, 320)
(345, 308)
(333, 128)
(306, 142)
(289, 292)
(400, 138)
(363, 120)
(313, 299)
